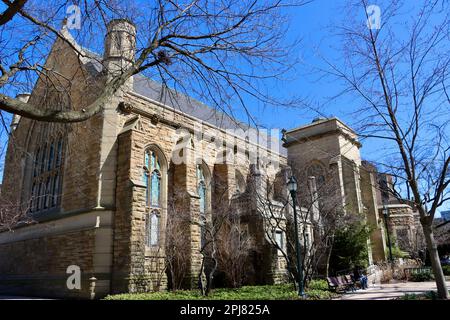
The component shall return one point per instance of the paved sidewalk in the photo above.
(20, 298)
(390, 291)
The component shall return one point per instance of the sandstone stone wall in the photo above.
(34, 259)
(141, 131)
(37, 264)
(102, 172)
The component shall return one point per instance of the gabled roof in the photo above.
(178, 101)
(158, 92)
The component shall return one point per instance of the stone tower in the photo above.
(120, 47)
(329, 150)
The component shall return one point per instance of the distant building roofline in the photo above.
(319, 121)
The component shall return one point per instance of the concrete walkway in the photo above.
(20, 298)
(390, 291)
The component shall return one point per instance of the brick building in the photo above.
(101, 192)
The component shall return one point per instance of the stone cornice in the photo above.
(291, 141)
(129, 108)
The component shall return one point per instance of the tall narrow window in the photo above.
(47, 194)
(36, 162)
(47, 168)
(279, 239)
(33, 201)
(59, 153)
(201, 189)
(55, 190)
(50, 157)
(43, 159)
(203, 201)
(152, 176)
(154, 171)
(153, 229)
(155, 188)
(41, 195)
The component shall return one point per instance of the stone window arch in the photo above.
(155, 180)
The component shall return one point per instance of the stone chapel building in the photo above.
(100, 192)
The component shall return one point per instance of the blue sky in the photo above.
(313, 24)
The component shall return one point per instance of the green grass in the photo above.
(316, 290)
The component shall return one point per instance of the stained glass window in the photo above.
(152, 177)
(155, 188)
(153, 229)
(152, 172)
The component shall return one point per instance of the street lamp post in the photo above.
(292, 187)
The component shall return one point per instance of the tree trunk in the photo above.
(435, 262)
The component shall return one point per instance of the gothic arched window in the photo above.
(154, 179)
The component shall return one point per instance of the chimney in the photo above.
(120, 48)
(16, 118)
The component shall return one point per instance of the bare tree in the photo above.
(12, 215)
(234, 245)
(227, 48)
(401, 74)
(176, 253)
(218, 52)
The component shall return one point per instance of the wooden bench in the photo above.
(341, 283)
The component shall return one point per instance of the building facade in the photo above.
(101, 194)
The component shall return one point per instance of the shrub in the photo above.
(397, 253)
(318, 285)
(446, 270)
(350, 246)
(422, 276)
